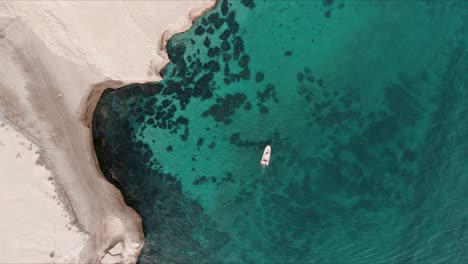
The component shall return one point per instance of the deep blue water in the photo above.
(364, 104)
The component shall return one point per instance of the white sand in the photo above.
(35, 227)
(50, 55)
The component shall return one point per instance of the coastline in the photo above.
(45, 97)
(189, 19)
(88, 104)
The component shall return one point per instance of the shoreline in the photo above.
(53, 70)
(88, 104)
(171, 31)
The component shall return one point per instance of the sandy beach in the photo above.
(53, 54)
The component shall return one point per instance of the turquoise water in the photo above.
(364, 104)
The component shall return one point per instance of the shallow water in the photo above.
(363, 103)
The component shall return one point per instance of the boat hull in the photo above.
(265, 161)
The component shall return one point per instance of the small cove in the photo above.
(362, 103)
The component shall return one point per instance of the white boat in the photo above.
(266, 156)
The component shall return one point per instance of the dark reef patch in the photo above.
(259, 77)
(225, 107)
(248, 3)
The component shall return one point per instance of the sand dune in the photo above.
(52, 54)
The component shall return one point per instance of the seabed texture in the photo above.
(364, 105)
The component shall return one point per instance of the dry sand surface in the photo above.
(33, 218)
(61, 209)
